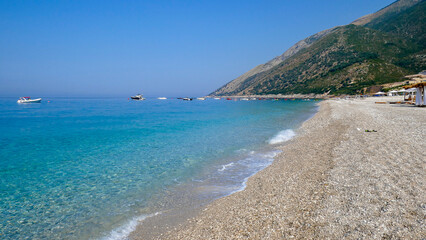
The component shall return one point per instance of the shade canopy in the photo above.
(415, 85)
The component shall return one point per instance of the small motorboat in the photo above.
(187, 99)
(29, 100)
(201, 98)
(162, 98)
(217, 98)
(138, 97)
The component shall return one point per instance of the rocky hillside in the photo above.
(375, 49)
(236, 83)
(386, 12)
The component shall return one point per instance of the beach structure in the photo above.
(409, 94)
(416, 78)
(417, 93)
(393, 93)
(379, 94)
(401, 92)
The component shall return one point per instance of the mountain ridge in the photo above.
(275, 61)
(300, 70)
(394, 7)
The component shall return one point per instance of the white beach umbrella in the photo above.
(392, 93)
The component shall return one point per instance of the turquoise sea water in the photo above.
(90, 168)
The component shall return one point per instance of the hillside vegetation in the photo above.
(347, 59)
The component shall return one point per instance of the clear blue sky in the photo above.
(170, 48)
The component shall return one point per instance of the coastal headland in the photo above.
(354, 170)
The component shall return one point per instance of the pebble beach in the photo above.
(334, 180)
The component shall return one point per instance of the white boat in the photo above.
(244, 99)
(201, 98)
(138, 97)
(29, 100)
(162, 98)
(217, 98)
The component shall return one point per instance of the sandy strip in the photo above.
(333, 181)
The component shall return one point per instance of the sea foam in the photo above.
(224, 167)
(122, 233)
(282, 136)
(255, 163)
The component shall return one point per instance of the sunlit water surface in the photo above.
(91, 168)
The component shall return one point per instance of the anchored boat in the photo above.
(138, 97)
(29, 100)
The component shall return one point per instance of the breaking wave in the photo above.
(122, 233)
(282, 136)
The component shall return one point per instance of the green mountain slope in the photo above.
(407, 24)
(348, 58)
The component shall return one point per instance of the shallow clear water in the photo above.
(80, 168)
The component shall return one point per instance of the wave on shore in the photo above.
(254, 162)
(122, 233)
(282, 136)
(249, 166)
